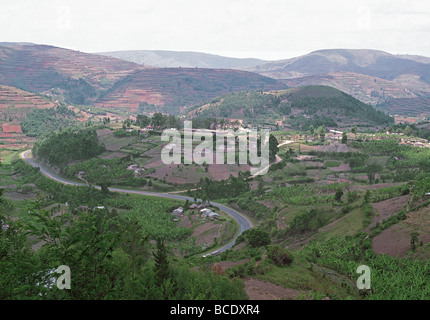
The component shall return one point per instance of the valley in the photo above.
(84, 184)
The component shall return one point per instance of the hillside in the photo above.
(352, 71)
(181, 87)
(417, 107)
(71, 76)
(368, 89)
(80, 78)
(14, 105)
(184, 59)
(369, 62)
(294, 108)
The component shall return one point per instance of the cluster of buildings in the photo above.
(206, 213)
(137, 170)
(414, 143)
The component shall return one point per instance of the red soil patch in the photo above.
(206, 233)
(395, 241)
(342, 167)
(261, 290)
(9, 128)
(387, 208)
(229, 264)
(5, 135)
(223, 171)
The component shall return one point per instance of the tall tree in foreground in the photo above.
(161, 262)
(273, 147)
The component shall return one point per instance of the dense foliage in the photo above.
(41, 121)
(108, 250)
(59, 148)
(391, 278)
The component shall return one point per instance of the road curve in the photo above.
(244, 223)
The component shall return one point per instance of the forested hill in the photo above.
(297, 107)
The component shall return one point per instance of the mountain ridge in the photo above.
(184, 59)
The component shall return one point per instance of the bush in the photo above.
(257, 237)
(280, 256)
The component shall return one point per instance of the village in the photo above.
(203, 208)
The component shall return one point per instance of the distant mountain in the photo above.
(369, 62)
(89, 79)
(294, 108)
(372, 90)
(184, 59)
(372, 76)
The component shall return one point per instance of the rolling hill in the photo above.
(80, 78)
(369, 62)
(295, 108)
(371, 90)
(38, 68)
(14, 105)
(181, 87)
(371, 76)
(184, 59)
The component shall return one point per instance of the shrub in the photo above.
(257, 237)
(279, 255)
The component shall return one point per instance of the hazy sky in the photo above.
(268, 29)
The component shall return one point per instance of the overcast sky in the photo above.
(269, 29)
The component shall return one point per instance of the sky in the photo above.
(269, 29)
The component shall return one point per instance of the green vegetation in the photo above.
(59, 148)
(41, 121)
(316, 106)
(391, 278)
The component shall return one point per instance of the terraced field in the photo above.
(181, 86)
(38, 67)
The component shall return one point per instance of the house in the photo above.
(203, 205)
(82, 208)
(213, 215)
(139, 172)
(178, 212)
(193, 206)
(207, 213)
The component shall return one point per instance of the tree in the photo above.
(344, 138)
(371, 171)
(158, 120)
(161, 262)
(354, 130)
(273, 147)
(142, 120)
(408, 130)
(311, 130)
(338, 195)
(321, 132)
(257, 238)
